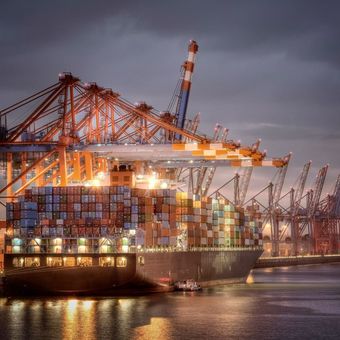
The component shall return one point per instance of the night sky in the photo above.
(265, 69)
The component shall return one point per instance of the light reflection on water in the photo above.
(76, 313)
(267, 307)
(157, 329)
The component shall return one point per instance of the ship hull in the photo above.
(143, 273)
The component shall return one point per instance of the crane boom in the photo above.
(245, 177)
(301, 185)
(182, 104)
(280, 180)
(336, 195)
(316, 193)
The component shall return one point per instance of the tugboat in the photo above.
(187, 286)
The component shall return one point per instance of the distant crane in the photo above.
(245, 177)
(295, 199)
(327, 222)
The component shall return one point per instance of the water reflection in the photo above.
(258, 310)
(79, 319)
(250, 279)
(159, 328)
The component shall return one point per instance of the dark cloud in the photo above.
(308, 28)
(265, 69)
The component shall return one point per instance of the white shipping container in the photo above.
(197, 218)
(204, 241)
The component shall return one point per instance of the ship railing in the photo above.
(193, 249)
(159, 249)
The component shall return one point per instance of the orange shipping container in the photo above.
(165, 232)
(174, 232)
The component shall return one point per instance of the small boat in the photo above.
(187, 285)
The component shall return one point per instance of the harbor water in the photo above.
(301, 302)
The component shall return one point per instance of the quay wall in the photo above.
(267, 262)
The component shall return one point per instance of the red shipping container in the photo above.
(74, 231)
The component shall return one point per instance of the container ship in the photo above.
(121, 240)
(108, 197)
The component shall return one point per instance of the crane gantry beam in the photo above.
(91, 121)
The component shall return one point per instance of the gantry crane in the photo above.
(270, 213)
(187, 69)
(326, 223)
(78, 130)
(293, 218)
(245, 177)
(63, 136)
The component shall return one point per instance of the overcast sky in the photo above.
(265, 69)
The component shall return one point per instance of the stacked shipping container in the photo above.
(83, 219)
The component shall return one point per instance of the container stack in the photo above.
(107, 219)
(141, 216)
(164, 218)
(233, 227)
(184, 217)
(194, 219)
(23, 216)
